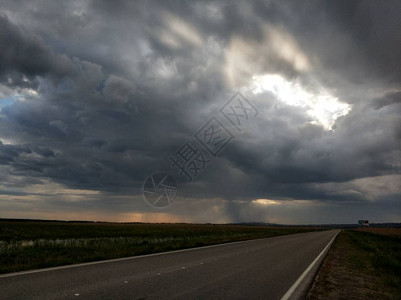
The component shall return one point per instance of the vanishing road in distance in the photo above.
(256, 269)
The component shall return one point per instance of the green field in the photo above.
(30, 245)
(361, 264)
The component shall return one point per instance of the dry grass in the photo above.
(360, 265)
(385, 231)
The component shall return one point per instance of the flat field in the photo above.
(28, 245)
(395, 232)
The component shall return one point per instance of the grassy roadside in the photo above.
(361, 265)
(31, 245)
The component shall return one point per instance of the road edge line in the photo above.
(291, 290)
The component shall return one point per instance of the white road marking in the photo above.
(288, 294)
(76, 294)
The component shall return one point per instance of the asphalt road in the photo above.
(256, 269)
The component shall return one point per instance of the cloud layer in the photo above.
(96, 96)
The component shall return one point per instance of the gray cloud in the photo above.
(97, 95)
(25, 56)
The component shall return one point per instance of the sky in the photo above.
(255, 111)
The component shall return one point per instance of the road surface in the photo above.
(256, 269)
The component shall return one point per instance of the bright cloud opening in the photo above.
(324, 108)
(265, 202)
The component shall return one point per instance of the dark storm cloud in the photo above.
(355, 42)
(106, 91)
(376, 29)
(390, 98)
(25, 54)
(365, 143)
(10, 152)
